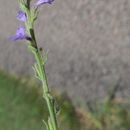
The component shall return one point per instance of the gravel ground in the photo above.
(88, 43)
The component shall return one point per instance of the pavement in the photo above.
(88, 43)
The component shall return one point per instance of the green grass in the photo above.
(18, 110)
(22, 107)
(111, 114)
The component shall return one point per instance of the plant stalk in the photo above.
(52, 121)
(47, 95)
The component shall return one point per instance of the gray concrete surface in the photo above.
(88, 43)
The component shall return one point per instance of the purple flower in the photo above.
(41, 2)
(22, 16)
(20, 35)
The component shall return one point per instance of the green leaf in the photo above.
(46, 124)
(23, 7)
(32, 49)
(36, 73)
(34, 15)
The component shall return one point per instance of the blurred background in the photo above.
(89, 61)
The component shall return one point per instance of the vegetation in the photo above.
(22, 108)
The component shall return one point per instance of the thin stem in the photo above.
(51, 106)
(40, 65)
(46, 93)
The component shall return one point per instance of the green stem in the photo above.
(46, 93)
(40, 66)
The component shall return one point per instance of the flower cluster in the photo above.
(21, 33)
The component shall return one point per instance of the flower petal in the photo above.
(41, 2)
(21, 31)
(20, 35)
(22, 16)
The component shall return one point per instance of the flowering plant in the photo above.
(28, 15)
